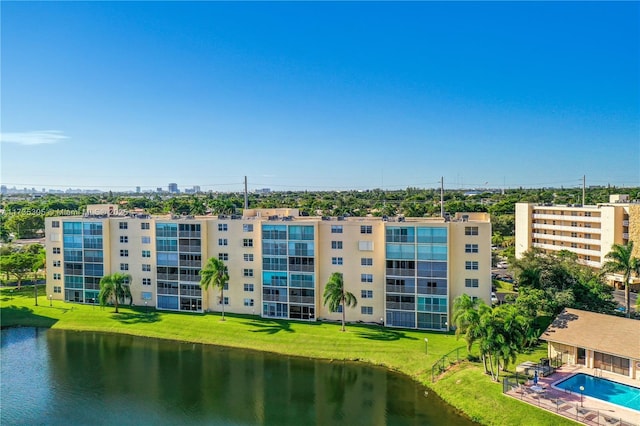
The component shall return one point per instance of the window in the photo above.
(123, 225)
(366, 310)
(247, 272)
(57, 289)
(226, 300)
(366, 261)
(336, 229)
(222, 227)
(124, 239)
(248, 257)
(587, 214)
(574, 235)
(471, 265)
(366, 294)
(57, 263)
(336, 245)
(336, 261)
(124, 253)
(144, 225)
(248, 287)
(470, 248)
(365, 245)
(574, 223)
(248, 302)
(247, 227)
(56, 250)
(247, 242)
(339, 310)
(57, 276)
(223, 242)
(366, 278)
(470, 230)
(471, 282)
(587, 247)
(55, 224)
(146, 253)
(146, 281)
(366, 229)
(146, 267)
(146, 240)
(124, 266)
(223, 256)
(587, 236)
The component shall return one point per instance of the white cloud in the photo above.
(35, 137)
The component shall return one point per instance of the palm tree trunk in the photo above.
(343, 313)
(484, 362)
(115, 302)
(627, 299)
(222, 301)
(35, 292)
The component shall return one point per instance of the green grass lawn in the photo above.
(466, 388)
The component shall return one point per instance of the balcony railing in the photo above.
(301, 268)
(193, 292)
(401, 272)
(167, 277)
(162, 291)
(401, 306)
(274, 298)
(302, 299)
(190, 249)
(189, 234)
(190, 278)
(400, 289)
(191, 263)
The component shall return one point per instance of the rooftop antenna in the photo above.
(442, 197)
(246, 196)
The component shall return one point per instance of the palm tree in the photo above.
(114, 287)
(335, 296)
(620, 260)
(215, 274)
(467, 315)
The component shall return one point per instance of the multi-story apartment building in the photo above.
(405, 272)
(589, 231)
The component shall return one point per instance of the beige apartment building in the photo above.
(404, 272)
(589, 231)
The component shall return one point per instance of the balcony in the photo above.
(302, 299)
(566, 217)
(301, 268)
(274, 298)
(568, 239)
(191, 263)
(190, 278)
(401, 272)
(400, 289)
(189, 234)
(625, 235)
(625, 223)
(192, 292)
(401, 306)
(167, 277)
(566, 228)
(189, 249)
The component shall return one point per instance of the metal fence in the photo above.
(570, 409)
(446, 361)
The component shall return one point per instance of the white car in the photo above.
(494, 298)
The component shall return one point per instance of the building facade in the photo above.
(588, 231)
(404, 272)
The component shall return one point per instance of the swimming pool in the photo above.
(606, 390)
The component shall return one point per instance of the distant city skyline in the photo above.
(319, 96)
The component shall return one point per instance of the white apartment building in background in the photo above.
(589, 231)
(404, 272)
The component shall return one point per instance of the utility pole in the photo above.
(584, 188)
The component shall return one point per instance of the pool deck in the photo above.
(593, 411)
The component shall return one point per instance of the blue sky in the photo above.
(319, 95)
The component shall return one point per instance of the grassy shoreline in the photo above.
(466, 387)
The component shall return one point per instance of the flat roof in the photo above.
(599, 332)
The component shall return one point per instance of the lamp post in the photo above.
(11, 293)
(581, 395)
(50, 300)
(146, 307)
(426, 345)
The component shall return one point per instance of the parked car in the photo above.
(494, 298)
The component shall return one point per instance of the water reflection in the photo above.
(90, 378)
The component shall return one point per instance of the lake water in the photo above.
(71, 378)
